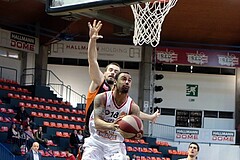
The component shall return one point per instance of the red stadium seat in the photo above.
(34, 114)
(6, 87)
(59, 116)
(46, 115)
(141, 141)
(59, 134)
(65, 118)
(40, 114)
(54, 109)
(41, 107)
(53, 124)
(42, 152)
(4, 129)
(74, 111)
(14, 120)
(67, 110)
(17, 96)
(46, 123)
(65, 125)
(61, 109)
(48, 108)
(42, 100)
(63, 154)
(71, 126)
(34, 106)
(1, 119)
(29, 98)
(3, 110)
(36, 99)
(73, 118)
(21, 104)
(56, 153)
(50, 101)
(25, 90)
(10, 95)
(129, 149)
(79, 119)
(7, 119)
(59, 125)
(78, 127)
(23, 97)
(12, 88)
(80, 112)
(50, 143)
(54, 116)
(28, 105)
(19, 89)
(66, 134)
(10, 110)
(48, 153)
(155, 150)
(55, 102)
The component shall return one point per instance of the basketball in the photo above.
(131, 127)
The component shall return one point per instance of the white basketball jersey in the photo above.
(112, 112)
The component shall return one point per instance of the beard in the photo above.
(124, 90)
(110, 82)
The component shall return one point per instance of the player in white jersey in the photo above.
(105, 141)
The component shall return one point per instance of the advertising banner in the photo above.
(18, 41)
(197, 57)
(205, 135)
(78, 50)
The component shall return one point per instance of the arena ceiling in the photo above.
(191, 23)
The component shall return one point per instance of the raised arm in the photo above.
(94, 71)
(99, 111)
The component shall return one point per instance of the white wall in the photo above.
(167, 120)
(216, 92)
(219, 123)
(11, 63)
(78, 78)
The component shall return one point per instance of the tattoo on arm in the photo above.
(99, 109)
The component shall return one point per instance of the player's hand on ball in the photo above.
(115, 126)
(138, 136)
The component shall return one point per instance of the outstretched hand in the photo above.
(155, 115)
(94, 29)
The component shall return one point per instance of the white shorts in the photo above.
(97, 150)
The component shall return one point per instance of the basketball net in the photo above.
(149, 19)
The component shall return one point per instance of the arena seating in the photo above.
(59, 119)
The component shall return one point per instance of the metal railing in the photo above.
(8, 73)
(55, 83)
(6, 153)
(163, 131)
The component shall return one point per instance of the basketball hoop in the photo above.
(149, 19)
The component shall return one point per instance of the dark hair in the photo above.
(198, 148)
(113, 63)
(117, 75)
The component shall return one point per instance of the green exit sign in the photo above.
(192, 90)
